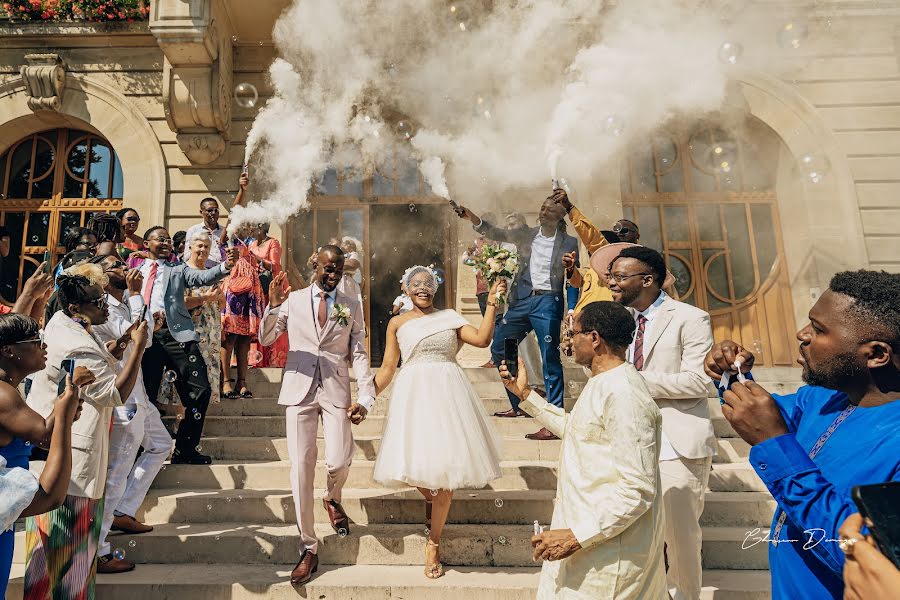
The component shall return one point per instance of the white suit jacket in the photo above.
(330, 351)
(674, 351)
(90, 433)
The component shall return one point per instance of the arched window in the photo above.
(705, 196)
(51, 181)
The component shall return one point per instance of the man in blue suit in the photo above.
(535, 299)
(176, 344)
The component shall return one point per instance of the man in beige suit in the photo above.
(670, 344)
(326, 333)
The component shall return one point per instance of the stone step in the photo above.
(367, 447)
(386, 506)
(359, 582)
(461, 545)
(516, 475)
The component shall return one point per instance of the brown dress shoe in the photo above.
(129, 524)
(542, 434)
(339, 520)
(108, 564)
(512, 413)
(303, 572)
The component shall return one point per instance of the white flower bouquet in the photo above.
(493, 262)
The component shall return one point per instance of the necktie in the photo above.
(323, 310)
(638, 358)
(148, 286)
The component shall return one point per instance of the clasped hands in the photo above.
(748, 407)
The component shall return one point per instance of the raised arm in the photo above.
(481, 337)
(275, 318)
(34, 294)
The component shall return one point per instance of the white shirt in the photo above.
(215, 251)
(666, 450)
(157, 300)
(607, 492)
(404, 302)
(316, 299)
(541, 261)
(121, 316)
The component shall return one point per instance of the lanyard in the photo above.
(820, 443)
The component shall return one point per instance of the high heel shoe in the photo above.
(435, 570)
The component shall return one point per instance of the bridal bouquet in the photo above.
(493, 262)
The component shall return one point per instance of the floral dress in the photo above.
(276, 354)
(244, 301)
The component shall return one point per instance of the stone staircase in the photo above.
(228, 530)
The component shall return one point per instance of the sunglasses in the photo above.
(37, 340)
(133, 220)
(100, 302)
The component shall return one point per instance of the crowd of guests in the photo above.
(123, 326)
(125, 323)
(637, 448)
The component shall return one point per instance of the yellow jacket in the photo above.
(593, 289)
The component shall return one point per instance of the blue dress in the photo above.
(16, 454)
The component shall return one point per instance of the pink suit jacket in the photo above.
(331, 351)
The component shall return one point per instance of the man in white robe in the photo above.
(606, 537)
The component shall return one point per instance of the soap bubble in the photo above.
(483, 107)
(434, 492)
(342, 532)
(613, 125)
(119, 554)
(730, 53)
(502, 540)
(256, 356)
(723, 156)
(170, 376)
(498, 502)
(197, 416)
(192, 358)
(412, 208)
(814, 167)
(245, 95)
(404, 129)
(194, 373)
(439, 275)
(792, 34)
(460, 16)
(548, 338)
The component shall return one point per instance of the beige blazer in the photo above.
(330, 351)
(674, 351)
(90, 433)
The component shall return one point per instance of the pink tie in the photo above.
(323, 310)
(148, 286)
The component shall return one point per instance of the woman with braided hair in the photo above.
(437, 437)
(108, 229)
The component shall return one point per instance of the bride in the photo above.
(437, 437)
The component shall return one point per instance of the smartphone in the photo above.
(880, 505)
(47, 257)
(66, 367)
(511, 355)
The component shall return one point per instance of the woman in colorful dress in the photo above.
(268, 251)
(132, 242)
(240, 319)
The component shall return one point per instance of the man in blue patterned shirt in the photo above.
(842, 430)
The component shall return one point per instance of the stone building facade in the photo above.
(155, 99)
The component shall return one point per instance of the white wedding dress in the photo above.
(437, 434)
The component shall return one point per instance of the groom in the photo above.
(326, 332)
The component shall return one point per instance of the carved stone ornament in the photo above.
(45, 81)
(201, 148)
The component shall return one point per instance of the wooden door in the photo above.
(706, 199)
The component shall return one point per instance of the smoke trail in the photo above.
(502, 94)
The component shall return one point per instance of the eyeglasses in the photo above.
(100, 302)
(620, 278)
(584, 331)
(133, 220)
(37, 340)
(162, 240)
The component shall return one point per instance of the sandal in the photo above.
(245, 392)
(436, 570)
(229, 394)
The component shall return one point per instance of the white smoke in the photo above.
(499, 96)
